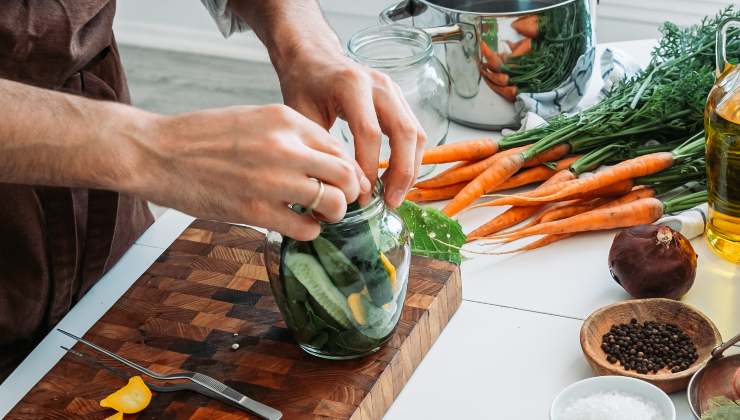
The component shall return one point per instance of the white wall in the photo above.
(186, 26)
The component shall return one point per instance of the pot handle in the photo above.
(725, 26)
(717, 352)
(401, 10)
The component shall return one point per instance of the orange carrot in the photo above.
(539, 243)
(422, 195)
(468, 172)
(494, 60)
(628, 169)
(642, 211)
(550, 155)
(465, 150)
(514, 215)
(527, 26)
(491, 178)
(636, 194)
(496, 175)
(507, 92)
(524, 47)
(500, 79)
(536, 174)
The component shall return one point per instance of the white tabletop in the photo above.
(511, 347)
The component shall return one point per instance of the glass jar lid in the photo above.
(390, 46)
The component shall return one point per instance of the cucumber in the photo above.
(345, 275)
(365, 256)
(312, 276)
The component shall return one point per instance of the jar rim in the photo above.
(369, 210)
(394, 32)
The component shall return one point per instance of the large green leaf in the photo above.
(433, 234)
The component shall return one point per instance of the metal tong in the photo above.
(196, 382)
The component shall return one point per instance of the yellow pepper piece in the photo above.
(390, 269)
(132, 398)
(354, 301)
(117, 416)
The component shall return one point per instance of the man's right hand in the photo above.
(244, 164)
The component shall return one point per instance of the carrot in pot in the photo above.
(524, 47)
(465, 150)
(422, 195)
(507, 92)
(499, 79)
(527, 26)
(494, 60)
(514, 215)
(467, 172)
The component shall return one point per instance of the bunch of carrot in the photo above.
(636, 190)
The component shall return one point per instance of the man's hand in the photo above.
(241, 164)
(323, 86)
(319, 81)
(246, 164)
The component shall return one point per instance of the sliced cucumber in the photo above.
(345, 275)
(312, 276)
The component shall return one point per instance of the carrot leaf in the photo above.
(433, 234)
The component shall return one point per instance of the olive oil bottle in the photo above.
(722, 126)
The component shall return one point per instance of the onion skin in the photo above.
(736, 384)
(651, 261)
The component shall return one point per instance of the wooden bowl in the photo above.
(695, 324)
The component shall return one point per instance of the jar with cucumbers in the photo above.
(341, 295)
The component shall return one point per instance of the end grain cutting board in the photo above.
(210, 290)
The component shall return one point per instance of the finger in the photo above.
(421, 138)
(278, 217)
(359, 111)
(333, 171)
(402, 131)
(320, 139)
(331, 204)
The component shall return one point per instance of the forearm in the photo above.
(52, 138)
(288, 28)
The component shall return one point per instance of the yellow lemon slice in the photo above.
(390, 268)
(117, 416)
(132, 398)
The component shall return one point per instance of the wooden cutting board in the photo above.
(210, 290)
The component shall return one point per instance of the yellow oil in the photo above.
(722, 124)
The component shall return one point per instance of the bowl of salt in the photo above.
(612, 398)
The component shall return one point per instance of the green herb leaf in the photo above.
(722, 408)
(433, 234)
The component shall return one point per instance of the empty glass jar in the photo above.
(342, 294)
(406, 55)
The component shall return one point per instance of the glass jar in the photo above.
(406, 55)
(341, 295)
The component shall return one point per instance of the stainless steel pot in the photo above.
(494, 49)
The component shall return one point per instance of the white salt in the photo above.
(611, 406)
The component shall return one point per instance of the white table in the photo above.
(511, 347)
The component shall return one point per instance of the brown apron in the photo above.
(55, 243)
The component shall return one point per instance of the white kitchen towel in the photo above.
(615, 66)
(225, 19)
(690, 223)
(565, 97)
